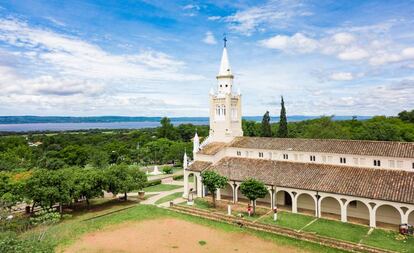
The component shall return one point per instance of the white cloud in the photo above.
(296, 43)
(209, 38)
(273, 13)
(341, 76)
(214, 18)
(54, 72)
(382, 58)
(343, 38)
(353, 54)
(191, 7)
(73, 56)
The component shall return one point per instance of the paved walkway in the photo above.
(153, 199)
(159, 195)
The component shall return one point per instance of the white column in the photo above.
(319, 215)
(185, 194)
(372, 216)
(295, 203)
(232, 191)
(236, 194)
(271, 197)
(404, 218)
(218, 194)
(199, 187)
(344, 213)
(315, 199)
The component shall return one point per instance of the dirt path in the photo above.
(172, 235)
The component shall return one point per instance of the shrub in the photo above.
(10, 243)
(167, 170)
(178, 177)
(153, 182)
(45, 216)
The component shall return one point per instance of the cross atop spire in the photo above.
(225, 40)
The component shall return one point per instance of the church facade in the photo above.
(369, 182)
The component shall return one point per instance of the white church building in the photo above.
(369, 182)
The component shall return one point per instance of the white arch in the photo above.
(324, 196)
(315, 201)
(344, 214)
(396, 207)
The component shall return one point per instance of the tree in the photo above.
(48, 187)
(121, 179)
(89, 183)
(213, 181)
(283, 127)
(406, 116)
(253, 189)
(167, 130)
(98, 158)
(266, 128)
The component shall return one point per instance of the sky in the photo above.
(160, 58)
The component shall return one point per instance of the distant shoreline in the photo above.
(23, 124)
(111, 119)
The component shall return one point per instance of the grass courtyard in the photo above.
(161, 188)
(386, 239)
(70, 230)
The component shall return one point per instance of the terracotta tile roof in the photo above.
(351, 147)
(199, 166)
(391, 185)
(212, 148)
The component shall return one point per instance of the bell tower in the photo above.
(225, 104)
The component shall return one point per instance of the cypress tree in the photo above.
(266, 128)
(283, 128)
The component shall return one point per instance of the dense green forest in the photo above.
(48, 168)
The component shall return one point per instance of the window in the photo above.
(312, 158)
(342, 160)
(261, 154)
(353, 204)
(285, 156)
(377, 163)
(413, 166)
(239, 153)
(226, 85)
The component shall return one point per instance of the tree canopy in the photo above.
(266, 128)
(253, 189)
(283, 125)
(213, 181)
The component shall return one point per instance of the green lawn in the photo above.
(390, 240)
(68, 231)
(288, 220)
(169, 198)
(338, 230)
(161, 188)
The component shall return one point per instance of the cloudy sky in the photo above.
(156, 58)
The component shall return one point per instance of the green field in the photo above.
(68, 231)
(161, 188)
(169, 198)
